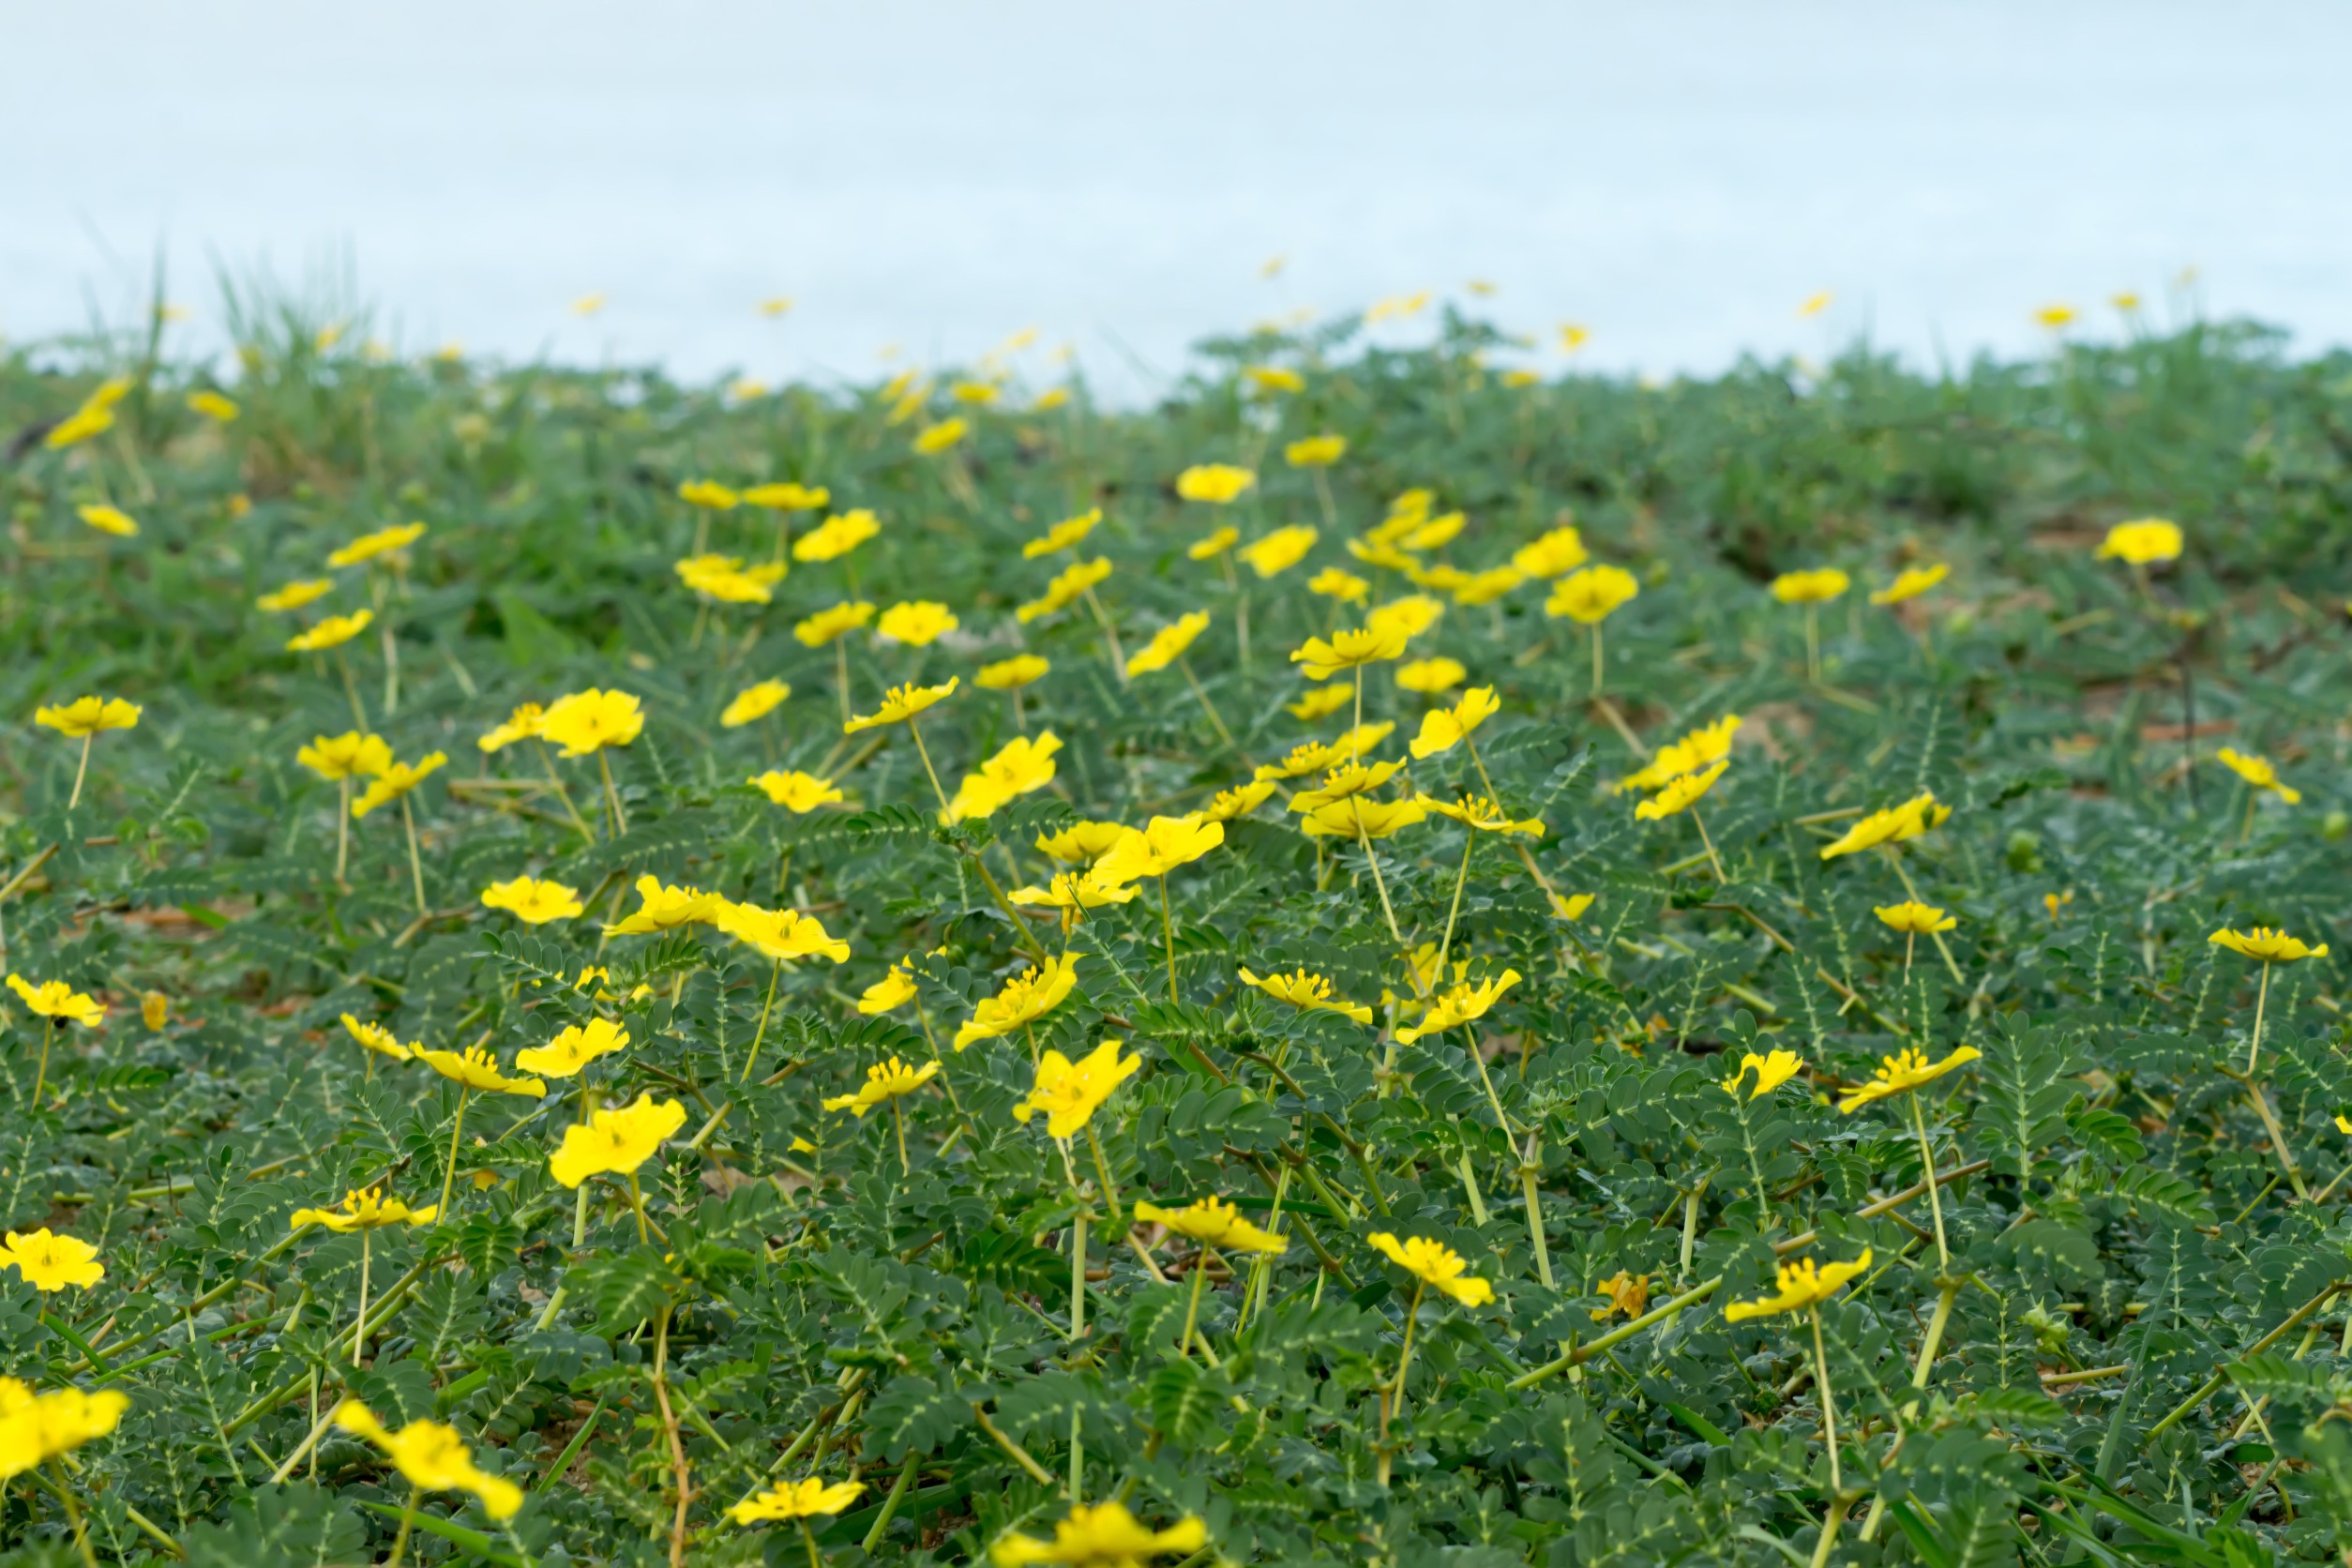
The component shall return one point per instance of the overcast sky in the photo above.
(935, 173)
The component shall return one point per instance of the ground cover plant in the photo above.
(1387, 960)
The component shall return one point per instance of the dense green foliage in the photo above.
(2113, 1383)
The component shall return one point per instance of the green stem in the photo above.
(612, 796)
(761, 1033)
(367, 1241)
(408, 1522)
(416, 865)
(82, 772)
(1927, 1164)
(1168, 933)
(449, 1176)
(1192, 1309)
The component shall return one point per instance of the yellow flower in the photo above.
(709, 493)
(722, 578)
(49, 1264)
(1552, 554)
(940, 437)
(2258, 772)
(1819, 586)
(588, 722)
(1800, 1287)
(1772, 1071)
(1066, 586)
(432, 1457)
(1307, 992)
(35, 1428)
(332, 632)
(1063, 534)
(796, 1500)
(666, 909)
(1169, 644)
(902, 703)
(1914, 918)
(1383, 555)
(1333, 582)
(1082, 843)
(1025, 998)
(1216, 483)
(1273, 378)
(1352, 778)
(1628, 1293)
(1430, 676)
(796, 791)
(1487, 586)
(884, 1081)
(1680, 795)
(1435, 1264)
(1443, 729)
(1905, 1069)
(1073, 891)
(476, 1069)
(1477, 811)
(155, 1010)
(1021, 766)
(1070, 1092)
(1214, 545)
(2268, 947)
(54, 999)
(1911, 583)
(1238, 802)
(1460, 1005)
(1349, 650)
(1359, 816)
(1158, 847)
(2054, 317)
(895, 989)
(1316, 451)
(532, 901)
(615, 1142)
(1103, 1536)
(573, 1048)
(754, 702)
(89, 716)
(1280, 551)
(1322, 701)
(1891, 826)
(835, 536)
(522, 725)
(2143, 542)
(917, 623)
(1434, 533)
(77, 427)
(1398, 306)
(363, 1209)
(786, 496)
(293, 596)
(1212, 1222)
(384, 542)
(395, 781)
(1410, 616)
(348, 755)
(1710, 743)
(1572, 906)
(779, 934)
(1587, 596)
(110, 519)
(827, 625)
(379, 1039)
(1012, 674)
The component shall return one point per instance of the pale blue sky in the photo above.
(1678, 175)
